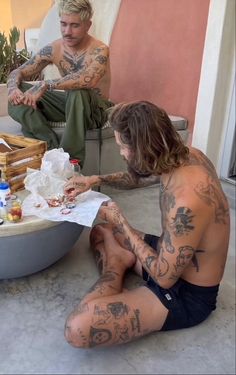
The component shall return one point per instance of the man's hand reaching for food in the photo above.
(77, 185)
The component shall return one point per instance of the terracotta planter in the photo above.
(3, 99)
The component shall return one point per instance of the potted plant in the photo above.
(10, 59)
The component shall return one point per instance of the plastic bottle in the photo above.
(76, 167)
(4, 191)
(3, 212)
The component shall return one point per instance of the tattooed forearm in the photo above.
(167, 201)
(167, 240)
(118, 229)
(149, 260)
(124, 180)
(14, 80)
(185, 255)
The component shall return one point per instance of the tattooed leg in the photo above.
(97, 244)
(118, 260)
(115, 261)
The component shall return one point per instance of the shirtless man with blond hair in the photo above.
(182, 268)
(83, 63)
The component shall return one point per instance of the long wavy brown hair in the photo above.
(147, 130)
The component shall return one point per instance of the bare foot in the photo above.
(115, 253)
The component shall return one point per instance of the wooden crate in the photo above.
(26, 153)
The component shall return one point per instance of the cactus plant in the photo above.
(10, 57)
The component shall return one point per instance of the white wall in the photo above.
(216, 81)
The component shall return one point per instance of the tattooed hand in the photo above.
(111, 213)
(32, 95)
(77, 185)
(15, 96)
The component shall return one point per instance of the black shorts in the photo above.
(188, 304)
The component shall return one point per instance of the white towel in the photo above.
(104, 18)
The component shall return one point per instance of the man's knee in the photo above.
(14, 111)
(78, 326)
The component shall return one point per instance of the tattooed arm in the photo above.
(33, 66)
(82, 72)
(120, 180)
(177, 246)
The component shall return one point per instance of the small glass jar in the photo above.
(13, 210)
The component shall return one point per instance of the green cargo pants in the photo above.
(80, 109)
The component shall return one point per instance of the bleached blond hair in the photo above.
(82, 7)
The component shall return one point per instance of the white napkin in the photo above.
(84, 213)
(48, 182)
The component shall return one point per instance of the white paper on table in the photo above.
(84, 213)
(48, 182)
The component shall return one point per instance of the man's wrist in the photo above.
(50, 85)
(94, 180)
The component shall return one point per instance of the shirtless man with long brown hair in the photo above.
(183, 267)
(83, 63)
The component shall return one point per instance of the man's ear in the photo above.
(88, 25)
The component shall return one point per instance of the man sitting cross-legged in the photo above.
(183, 267)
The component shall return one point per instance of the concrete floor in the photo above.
(33, 311)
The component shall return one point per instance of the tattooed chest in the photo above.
(72, 63)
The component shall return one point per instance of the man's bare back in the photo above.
(195, 203)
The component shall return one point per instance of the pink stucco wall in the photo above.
(156, 53)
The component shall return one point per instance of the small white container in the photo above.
(4, 192)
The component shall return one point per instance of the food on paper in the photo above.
(65, 211)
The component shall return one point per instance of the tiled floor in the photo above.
(33, 310)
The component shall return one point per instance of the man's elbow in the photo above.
(166, 283)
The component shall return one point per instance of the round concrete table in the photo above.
(34, 244)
